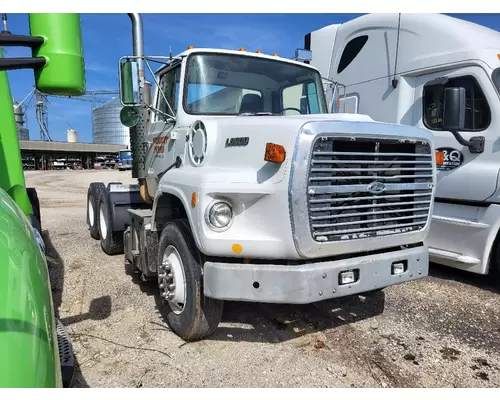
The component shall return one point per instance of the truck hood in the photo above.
(236, 145)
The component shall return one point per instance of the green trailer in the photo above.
(35, 350)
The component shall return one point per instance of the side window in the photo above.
(350, 52)
(292, 99)
(176, 88)
(477, 111)
(303, 97)
(169, 85)
(312, 98)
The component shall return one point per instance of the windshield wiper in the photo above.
(249, 114)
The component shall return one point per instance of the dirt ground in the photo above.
(440, 331)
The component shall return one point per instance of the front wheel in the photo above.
(35, 204)
(189, 313)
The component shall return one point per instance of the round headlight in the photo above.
(220, 215)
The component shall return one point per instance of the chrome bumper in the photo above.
(310, 282)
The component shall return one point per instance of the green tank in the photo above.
(64, 71)
(11, 166)
(34, 348)
(28, 339)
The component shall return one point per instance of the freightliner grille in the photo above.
(361, 188)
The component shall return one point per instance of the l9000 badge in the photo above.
(237, 141)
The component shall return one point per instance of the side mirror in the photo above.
(303, 55)
(149, 102)
(454, 119)
(147, 93)
(129, 83)
(454, 109)
(62, 44)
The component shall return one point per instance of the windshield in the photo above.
(496, 79)
(225, 84)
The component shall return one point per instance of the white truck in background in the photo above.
(239, 199)
(407, 69)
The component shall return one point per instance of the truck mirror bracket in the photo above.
(475, 144)
(176, 164)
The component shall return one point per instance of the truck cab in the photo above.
(395, 70)
(250, 191)
(124, 160)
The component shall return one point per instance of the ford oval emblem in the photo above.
(376, 187)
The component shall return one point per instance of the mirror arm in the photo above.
(461, 139)
(156, 111)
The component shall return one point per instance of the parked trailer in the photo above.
(248, 190)
(426, 70)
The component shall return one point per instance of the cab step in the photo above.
(66, 354)
(449, 255)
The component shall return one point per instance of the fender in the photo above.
(165, 189)
(121, 197)
(28, 338)
(490, 243)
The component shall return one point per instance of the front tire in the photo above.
(189, 313)
(35, 204)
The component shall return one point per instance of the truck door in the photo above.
(464, 175)
(161, 150)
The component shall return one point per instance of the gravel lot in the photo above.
(440, 331)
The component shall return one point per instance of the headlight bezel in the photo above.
(208, 213)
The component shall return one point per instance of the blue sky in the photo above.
(107, 37)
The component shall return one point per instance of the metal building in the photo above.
(106, 125)
(19, 115)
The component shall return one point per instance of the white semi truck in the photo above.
(248, 190)
(397, 68)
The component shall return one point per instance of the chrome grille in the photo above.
(367, 187)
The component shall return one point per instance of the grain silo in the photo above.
(106, 125)
(19, 116)
(72, 136)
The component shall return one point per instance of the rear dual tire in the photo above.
(99, 219)
(111, 241)
(94, 194)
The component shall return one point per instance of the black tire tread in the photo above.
(35, 204)
(207, 311)
(95, 190)
(114, 241)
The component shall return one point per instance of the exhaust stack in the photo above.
(138, 144)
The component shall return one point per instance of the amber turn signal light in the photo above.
(439, 158)
(274, 153)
